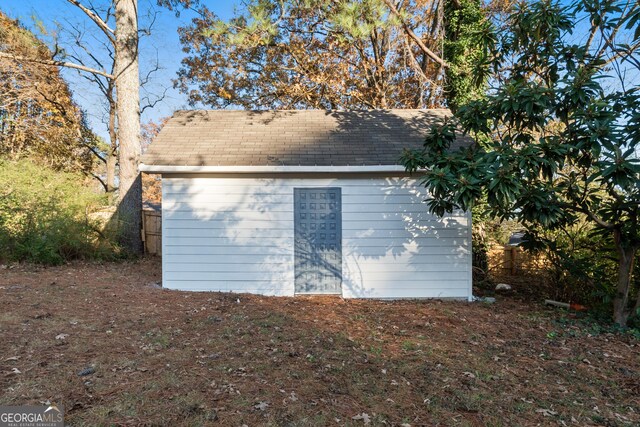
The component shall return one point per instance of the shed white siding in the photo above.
(237, 234)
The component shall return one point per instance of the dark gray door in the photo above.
(318, 240)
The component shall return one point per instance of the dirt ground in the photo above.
(173, 358)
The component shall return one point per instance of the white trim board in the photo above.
(270, 169)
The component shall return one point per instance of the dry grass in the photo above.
(172, 358)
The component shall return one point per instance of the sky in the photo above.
(163, 44)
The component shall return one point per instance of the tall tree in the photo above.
(125, 77)
(128, 113)
(83, 45)
(124, 37)
(557, 133)
(465, 24)
(316, 54)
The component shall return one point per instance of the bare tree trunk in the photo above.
(626, 257)
(128, 112)
(112, 154)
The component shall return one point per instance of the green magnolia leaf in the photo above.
(633, 21)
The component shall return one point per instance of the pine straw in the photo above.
(172, 358)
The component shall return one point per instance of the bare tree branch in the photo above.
(95, 79)
(151, 104)
(144, 80)
(431, 54)
(56, 63)
(99, 179)
(153, 16)
(98, 154)
(95, 18)
(77, 38)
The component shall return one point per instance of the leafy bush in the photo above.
(582, 266)
(44, 216)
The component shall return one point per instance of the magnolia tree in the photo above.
(558, 132)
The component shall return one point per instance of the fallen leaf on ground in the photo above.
(261, 406)
(546, 412)
(363, 416)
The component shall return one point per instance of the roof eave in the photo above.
(271, 169)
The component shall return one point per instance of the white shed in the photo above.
(304, 202)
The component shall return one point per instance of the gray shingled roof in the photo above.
(290, 138)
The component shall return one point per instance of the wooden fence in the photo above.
(514, 261)
(152, 231)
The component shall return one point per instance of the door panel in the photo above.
(318, 240)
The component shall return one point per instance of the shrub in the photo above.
(44, 216)
(582, 265)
